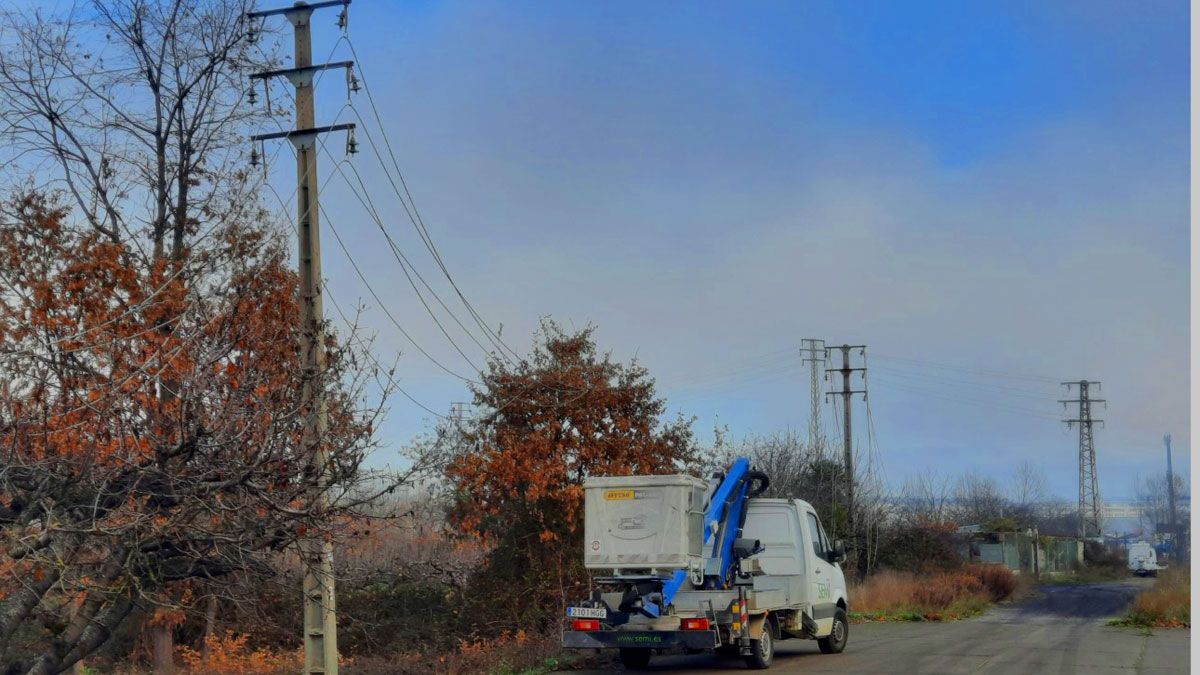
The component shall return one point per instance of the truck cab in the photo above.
(798, 558)
(693, 567)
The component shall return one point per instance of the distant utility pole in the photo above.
(1089, 487)
(320, 606)
(847, 393)
(813, 353)
(1171, 517)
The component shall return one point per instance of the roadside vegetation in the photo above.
(1166, 604)
(941, 596)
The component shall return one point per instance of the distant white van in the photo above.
(1142, 560)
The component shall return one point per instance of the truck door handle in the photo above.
(818, 571)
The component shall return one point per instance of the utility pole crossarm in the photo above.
(303, 138)
(298, 7)
(305, 71)
(303, 132)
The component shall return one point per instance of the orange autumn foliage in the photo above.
(229, 654)
(547, 423)
(152, 414)
(551, 422)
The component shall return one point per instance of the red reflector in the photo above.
(695, 624)
(585, 624)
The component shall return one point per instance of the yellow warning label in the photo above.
(617, 495)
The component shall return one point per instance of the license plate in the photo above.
(587, 612)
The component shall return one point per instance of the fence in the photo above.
(1023, 553)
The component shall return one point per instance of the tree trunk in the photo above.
(210, 626)
(163, 643)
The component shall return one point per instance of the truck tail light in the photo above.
(695, 624)
(585, 624)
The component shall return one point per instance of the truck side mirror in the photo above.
(744, 548)
(839, 551)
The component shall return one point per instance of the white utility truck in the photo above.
(1142, 559)
(688, 565)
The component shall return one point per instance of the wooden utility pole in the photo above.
(847, 393)
(320, 600)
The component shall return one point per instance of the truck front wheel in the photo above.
(635, 659)
(762, 650)
(835, 642)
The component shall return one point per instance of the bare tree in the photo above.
(926, 498)
(1027, 494)
(978, 499)
(1154, 500)
(786, 459)
(135, 109)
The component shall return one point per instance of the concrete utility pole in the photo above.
(1089, 487)
(847, 393)
(1171, 517)
(320, 604)
(813, 353)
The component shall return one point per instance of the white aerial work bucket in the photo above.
(643, 522)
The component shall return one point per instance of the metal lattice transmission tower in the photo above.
(812, 352)
(1089, 487)
(458, 412)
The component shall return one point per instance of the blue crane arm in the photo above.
(722, 524)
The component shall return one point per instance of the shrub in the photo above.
(1097, 555)
(1167, 604)
(998, 581)
(922, 548)
(229, 655)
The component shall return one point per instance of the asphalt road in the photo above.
(1059, 631)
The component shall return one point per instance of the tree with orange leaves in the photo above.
(112, 493)
(150, 389)
(548, 423)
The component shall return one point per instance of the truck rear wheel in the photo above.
(635, 659)
(762, 650)
(835, 642)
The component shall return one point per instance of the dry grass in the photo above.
(931, 597)
(507, 654)
(1166, 604)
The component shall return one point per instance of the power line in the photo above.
(415, 215)
(904, 385)
(368, 204)
(963, 381)
(345, 319)
(983, 371)
(405, 265)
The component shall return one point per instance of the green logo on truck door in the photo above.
(822, 591)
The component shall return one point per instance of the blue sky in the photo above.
(991, 196)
